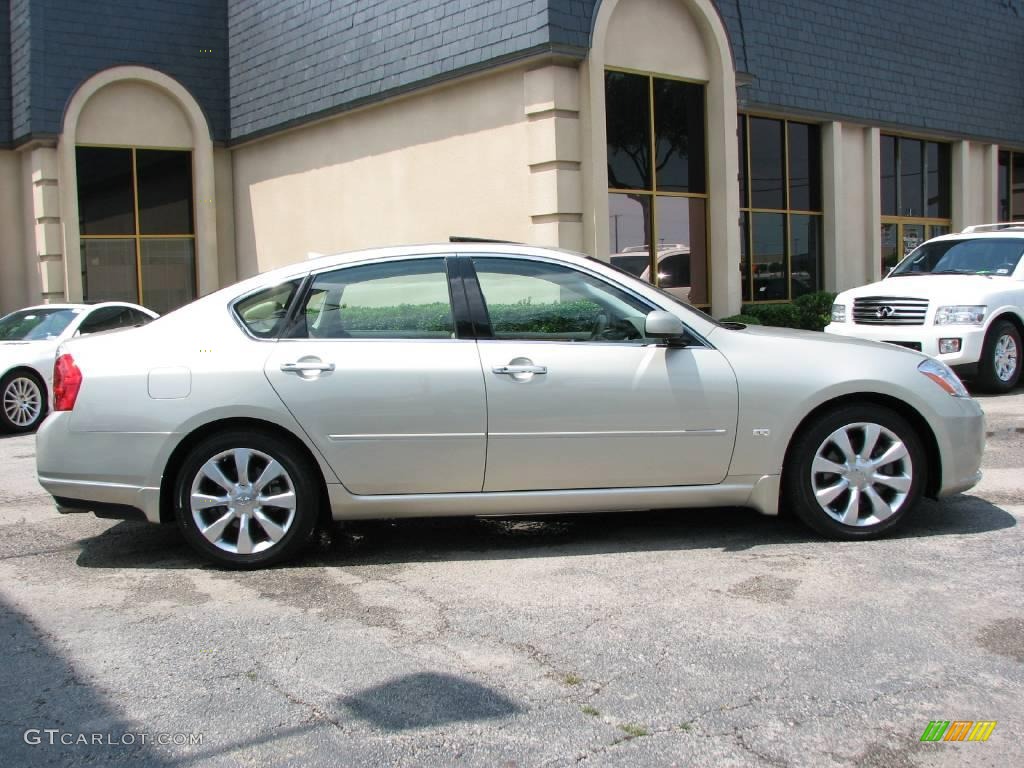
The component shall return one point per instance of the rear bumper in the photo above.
(99, 472)
(101, 509)
(107, 500)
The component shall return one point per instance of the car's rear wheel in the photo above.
(246, 499)
(22, 401)
(855, 473)
(1000, 358)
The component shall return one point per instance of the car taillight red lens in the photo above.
(67, 380)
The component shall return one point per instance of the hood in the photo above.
(808, 345)
(944, 289)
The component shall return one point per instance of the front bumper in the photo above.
(972, 339)
(961, 445)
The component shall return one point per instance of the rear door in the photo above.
(377, 375)
(579, 398)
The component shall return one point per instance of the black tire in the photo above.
(799, 478)
(297, 477)
(989, 380)
(13, 387)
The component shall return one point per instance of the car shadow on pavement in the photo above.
(376, 542)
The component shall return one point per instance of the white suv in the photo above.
(959, 298)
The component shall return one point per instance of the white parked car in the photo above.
(483, 379)
(29, 339)
(958, 298)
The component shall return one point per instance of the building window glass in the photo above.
(780, 198)
(1011, 185)
(137, 225)
(915, 187)
(657, 180)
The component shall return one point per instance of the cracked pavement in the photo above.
(695, 637)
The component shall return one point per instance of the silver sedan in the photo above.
(482, 379)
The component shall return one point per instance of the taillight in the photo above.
(67, 380)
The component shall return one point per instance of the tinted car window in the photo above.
(263, 313)
(535, 300)
(34, 324)
(391, 300)
(104, 319)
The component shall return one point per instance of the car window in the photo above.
(981, 256)
(136, 318)
(263, 313)
(536, 300)
(391, 300)
(35, 324)
(104, 319)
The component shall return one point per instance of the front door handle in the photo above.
(512, 370)
(307, 367)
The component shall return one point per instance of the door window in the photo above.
(390, 300)
(536, 300)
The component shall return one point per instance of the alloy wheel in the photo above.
(1006, 355)
(243, 501)
(861, 474)
(23, 401)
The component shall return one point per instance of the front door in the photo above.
(375, 375)
(578, 398)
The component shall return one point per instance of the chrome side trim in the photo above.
(410, 436)
(617, 433)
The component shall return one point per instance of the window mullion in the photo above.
(138, 239)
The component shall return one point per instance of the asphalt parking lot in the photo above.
(673, 638)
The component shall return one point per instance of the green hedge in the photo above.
(745, 319)
(555, 317)
(810, 312)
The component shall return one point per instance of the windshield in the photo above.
(983, 256)
(35, 324)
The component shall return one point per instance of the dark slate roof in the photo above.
(293, 59)
(950, 66)
(5, 72)
(58, 44)
(954, 66)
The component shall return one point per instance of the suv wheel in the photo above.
(855, 473)
(246, 499)
(999, 370)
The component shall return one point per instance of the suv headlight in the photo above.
(943, 375)
(838, 313)
(960, 314)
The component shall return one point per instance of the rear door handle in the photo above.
(306, 367)
(512, 370)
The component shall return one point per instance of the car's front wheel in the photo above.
(22, 401)
(999, 370)
(246, 499)
(855, 473)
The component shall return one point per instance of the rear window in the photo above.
(263, 313)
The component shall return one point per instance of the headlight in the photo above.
(943, 375)
(960, 315)
(838, 313)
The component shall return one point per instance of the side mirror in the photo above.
(663, 325)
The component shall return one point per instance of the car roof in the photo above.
(1000, 234)
(424, 249)
(83, 306)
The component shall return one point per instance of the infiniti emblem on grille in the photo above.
(884, 312)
